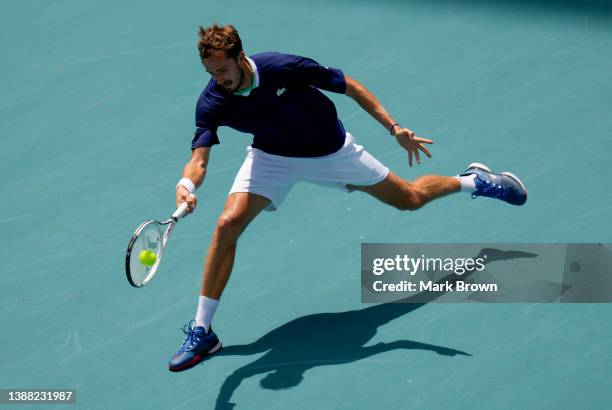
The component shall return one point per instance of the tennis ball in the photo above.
(147, 257)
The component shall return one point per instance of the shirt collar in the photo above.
(255, 78)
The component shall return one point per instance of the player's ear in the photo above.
(241, 56)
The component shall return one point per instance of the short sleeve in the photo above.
(308, 71)
(205, 134)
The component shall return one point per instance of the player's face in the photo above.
(227, 72)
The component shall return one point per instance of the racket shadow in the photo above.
(327, 339)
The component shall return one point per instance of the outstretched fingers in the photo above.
(425, 150)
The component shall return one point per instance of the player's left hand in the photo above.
(413, 144)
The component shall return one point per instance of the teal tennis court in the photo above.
(97, 116)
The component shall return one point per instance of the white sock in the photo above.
(467, 182)
(206, 310)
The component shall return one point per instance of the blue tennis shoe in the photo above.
(196, 347)
(504, 186)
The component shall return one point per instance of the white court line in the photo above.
(194, 398)
(352, 115)
(111, 55)
(15, 218)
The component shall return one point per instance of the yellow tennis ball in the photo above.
(147, 257)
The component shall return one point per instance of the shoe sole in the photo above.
(197, 359)
(215, 349)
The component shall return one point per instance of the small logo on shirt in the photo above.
(280, 91)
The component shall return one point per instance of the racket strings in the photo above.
(149, 238)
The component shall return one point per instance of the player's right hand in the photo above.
(183, 195)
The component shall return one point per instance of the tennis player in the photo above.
(297, 136)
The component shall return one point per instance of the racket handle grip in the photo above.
(180, 211)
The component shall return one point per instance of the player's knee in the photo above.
(410, 201)
(230, 226)
(409, 205)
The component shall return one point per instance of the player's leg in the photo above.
(263, 181)
(240, 209)
(355, 168)
(200, 341)
(477, 179)
(406, 195)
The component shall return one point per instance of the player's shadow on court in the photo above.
(326, 339)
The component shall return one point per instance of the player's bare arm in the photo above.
(404, 136)
(194, 171)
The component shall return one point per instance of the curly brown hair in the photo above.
(220, 38)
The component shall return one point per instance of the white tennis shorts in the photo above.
(273, 176)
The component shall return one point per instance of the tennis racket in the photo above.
(151, 236)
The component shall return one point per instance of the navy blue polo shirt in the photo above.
(285, 111)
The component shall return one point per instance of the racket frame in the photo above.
(171, 222)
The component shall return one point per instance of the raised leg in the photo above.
(406, 195)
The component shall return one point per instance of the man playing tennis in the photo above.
(297, 137)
